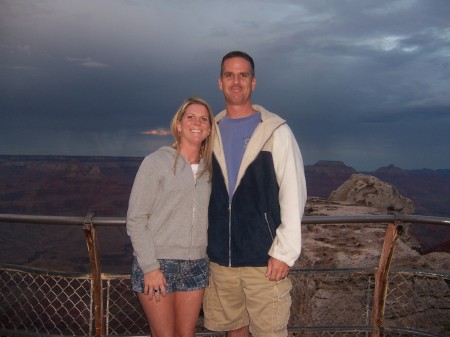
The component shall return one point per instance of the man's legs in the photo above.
(224, 300)
(241, 332)
(239, 300)
(268, 303)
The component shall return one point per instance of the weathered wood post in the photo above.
(381, 278)
(94, 258)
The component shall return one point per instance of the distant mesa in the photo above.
(391, 169)
(74, 185)
(330, 163)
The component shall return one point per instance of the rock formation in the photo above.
(370, 191)
(331, 298)
(359, 245)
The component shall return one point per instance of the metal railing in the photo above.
(369, 302)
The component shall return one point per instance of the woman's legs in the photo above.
(160, 315)
(175, 315)
(187, 309)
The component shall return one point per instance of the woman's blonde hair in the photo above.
(206, 148)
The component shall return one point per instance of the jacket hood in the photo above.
(266, 116)
(269, 122)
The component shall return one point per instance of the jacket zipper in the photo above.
(268, 225)
(193, 214)
(229, 235)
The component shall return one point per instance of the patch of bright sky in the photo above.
(393, 7)
(385, 43)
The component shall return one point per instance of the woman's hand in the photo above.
(155, 284)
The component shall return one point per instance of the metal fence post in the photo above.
(94, 258)
(381, 278)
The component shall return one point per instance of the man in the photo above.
(255, 211)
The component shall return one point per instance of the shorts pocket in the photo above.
(210, 303)
(283, 301)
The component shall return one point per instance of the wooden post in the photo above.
(381, 279)
(94, 258)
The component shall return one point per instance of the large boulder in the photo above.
(338, 297)
(370, 191)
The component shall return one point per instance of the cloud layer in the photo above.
(365, 82)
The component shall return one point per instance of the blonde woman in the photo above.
(167, 223)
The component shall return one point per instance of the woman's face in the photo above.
(195, 125)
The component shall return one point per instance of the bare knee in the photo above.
(185, 333)
(241, 332)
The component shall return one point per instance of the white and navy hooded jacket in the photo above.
(264, 216)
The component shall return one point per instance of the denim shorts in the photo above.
(181, 275)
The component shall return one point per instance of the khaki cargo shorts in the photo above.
(240, 296)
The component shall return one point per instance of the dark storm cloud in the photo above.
(364, 82)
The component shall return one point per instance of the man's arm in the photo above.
(289, 169)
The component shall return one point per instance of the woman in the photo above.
(167, 223)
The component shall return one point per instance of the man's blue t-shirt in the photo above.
(236, 134)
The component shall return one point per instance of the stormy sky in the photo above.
(363, 82)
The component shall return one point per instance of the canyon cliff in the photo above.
(73, 186)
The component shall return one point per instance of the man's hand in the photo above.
(276, 269)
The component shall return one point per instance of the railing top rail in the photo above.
(120, 221)
(405, 218)
(60, 220)
(46, 272)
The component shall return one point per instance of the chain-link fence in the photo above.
(43, 302)
(324, 303)
(420, 301)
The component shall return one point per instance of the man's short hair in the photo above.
(241, 54)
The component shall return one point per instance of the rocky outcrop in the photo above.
(370, 191)
(358, 245)
(333, 298)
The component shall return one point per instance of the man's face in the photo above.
(237, 81)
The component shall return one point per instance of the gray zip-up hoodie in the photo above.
(168, 212)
